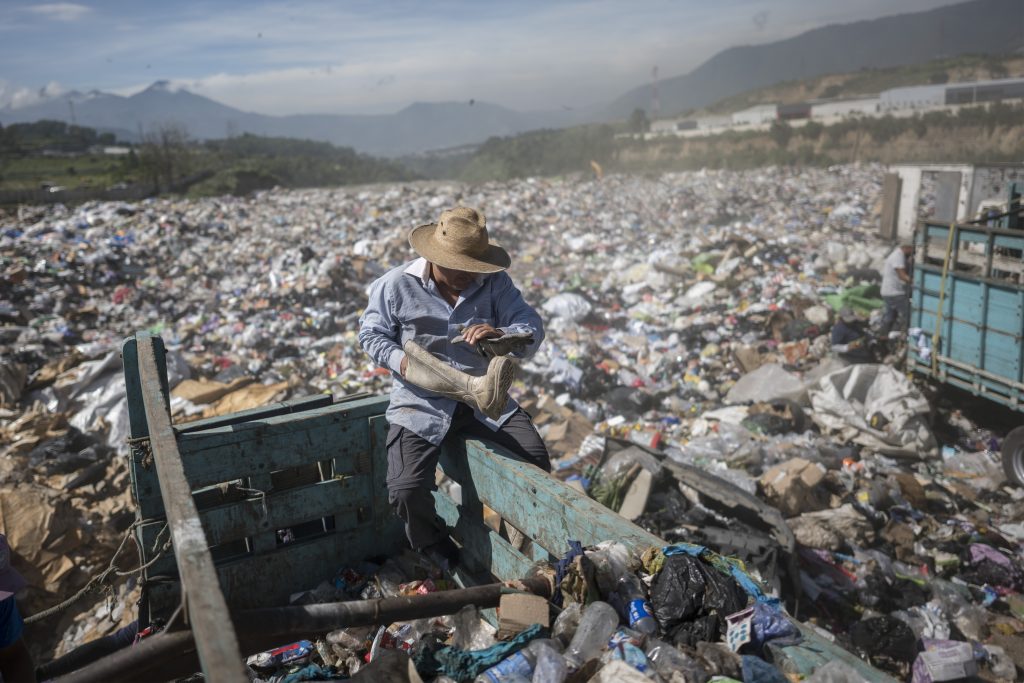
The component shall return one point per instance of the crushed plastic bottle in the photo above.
(550, 666)
(566, 623)
(597, 624)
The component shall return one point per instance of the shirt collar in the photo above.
(421, 269)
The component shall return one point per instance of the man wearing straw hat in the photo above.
(15, 660)
(445, 325)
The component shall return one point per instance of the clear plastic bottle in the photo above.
(597, 624)
(634, 601)
(550, 666)
(566, 624)
(518, 665)
(667, 659)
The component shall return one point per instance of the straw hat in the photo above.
(459, 241)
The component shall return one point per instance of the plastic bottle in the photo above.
(667, 659)
(566, 624)
(597, 624)
(550, 666)
(518, 665)
(634, 601)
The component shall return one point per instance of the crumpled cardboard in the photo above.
(794, 487)
(205, 390)
(40, 527)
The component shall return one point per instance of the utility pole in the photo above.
(655, 102)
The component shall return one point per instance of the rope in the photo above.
(942, 299)
(111, 570)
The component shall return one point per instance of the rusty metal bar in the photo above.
(172, 655)
(207, 610)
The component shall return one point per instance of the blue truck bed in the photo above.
(968, 303)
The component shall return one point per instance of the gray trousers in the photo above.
(412, 461)
(897, 308)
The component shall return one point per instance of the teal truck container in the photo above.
(967, 310)
(211, 496)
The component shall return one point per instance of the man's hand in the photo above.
(475, 333)
(405, 365)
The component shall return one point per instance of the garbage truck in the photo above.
(211, 496)
(967, 308)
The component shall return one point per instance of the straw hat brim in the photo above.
(493, 260)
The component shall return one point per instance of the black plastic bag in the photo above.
(884, 637)
(691, 599)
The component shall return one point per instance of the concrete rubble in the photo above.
(687, 325)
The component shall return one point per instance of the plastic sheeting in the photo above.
(848, 401)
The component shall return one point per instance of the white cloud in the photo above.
(60, 11)
(16, 96)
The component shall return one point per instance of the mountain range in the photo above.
(978, 26)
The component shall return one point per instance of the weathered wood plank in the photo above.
(145, 486)
(227, 453)
(541, 506)
(483, 550)
(316, 418)
(383, 515)
(288, 407)
(207, 610)
(284, 509)
(269, 579)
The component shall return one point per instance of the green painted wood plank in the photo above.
(246, 518)
(269, 579)
(328, 437)
(256, 519)
(288, 407)
(484, 550)
(144, 483)
(297, 423)
(383, 514)
(544, 508)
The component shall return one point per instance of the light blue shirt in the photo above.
(406, 304)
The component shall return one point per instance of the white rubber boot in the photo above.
(488, 394)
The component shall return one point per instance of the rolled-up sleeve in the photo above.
(379, 330)
(514, 315)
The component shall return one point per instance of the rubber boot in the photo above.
(488, 394)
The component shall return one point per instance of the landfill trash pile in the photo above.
(686, 381)
(681, 613)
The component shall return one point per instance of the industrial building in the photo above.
(756, 115)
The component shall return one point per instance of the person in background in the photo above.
(15, 661)
(850, 337)
(896, 288)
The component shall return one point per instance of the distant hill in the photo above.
(417, 128)
(980, 27)
(873, 81)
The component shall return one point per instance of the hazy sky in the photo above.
(313, 56)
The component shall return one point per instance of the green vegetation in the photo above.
(249, 162)
(22, 139)
(52, 153)
(541, 153)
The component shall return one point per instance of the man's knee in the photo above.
(407, 497)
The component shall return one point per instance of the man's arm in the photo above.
(379, 330)
(514, 315)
